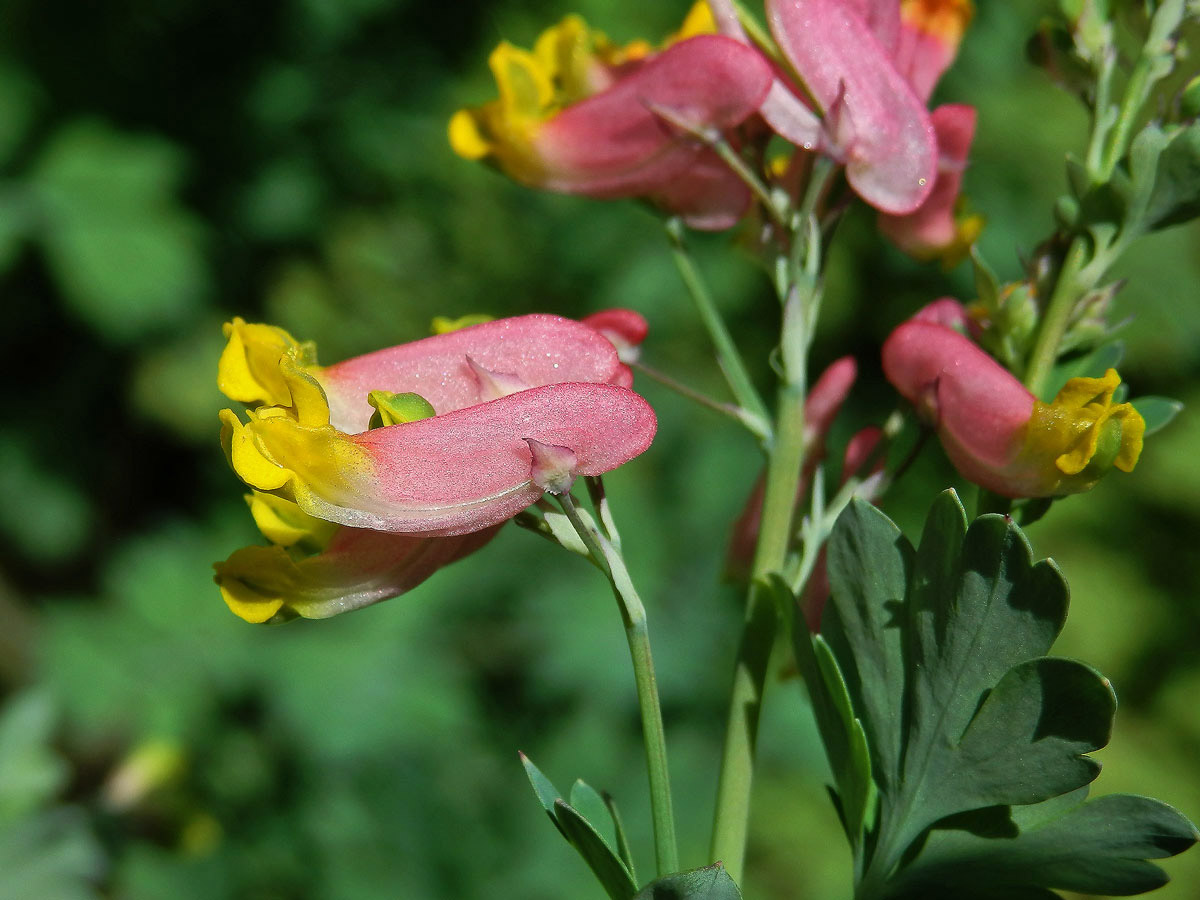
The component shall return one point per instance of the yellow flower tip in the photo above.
(526, 85)
(699, 20)
(445, 324)
(1085, 433)
(778, 165)
(308, 402)
(946, 20)
(966, 233)
(249, 367)
(285, 524)
(466, 137)
(254, 581)
(245, 453)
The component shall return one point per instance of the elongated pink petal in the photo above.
(535, 349)
(358, 568)
(453, 473)
(933, 228)
(882, 17)
(978, 407)
(881, 128)
(614, 144)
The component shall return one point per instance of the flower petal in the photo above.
(933, 230)
(358, 568)
(535, 350)
(930, 32)
(880, 128)
(614, 144)
(450, 474)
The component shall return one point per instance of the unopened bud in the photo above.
(398, 409)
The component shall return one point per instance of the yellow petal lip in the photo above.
(249, 368)
(466, 137)
(284, 523)
(254, 582)
(1084, 433)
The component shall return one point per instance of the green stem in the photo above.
(727, 353)
(751, 422)
(1141, 81)
(1057, 317)
(633, 616)
(731, 820)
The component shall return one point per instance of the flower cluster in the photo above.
(371, 474)
(851, 81)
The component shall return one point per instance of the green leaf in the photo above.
(30, 772)
(606, 865)
(869, 562)
(1097, 847)
(982, 612)
(547, 793)
(708, 883)
(1027, 742)
(608, 868)
(1165, 177)
(1157, 411)
(127, 255)
(954, 637)
(841, 731)
(587, 801)
(623, 849)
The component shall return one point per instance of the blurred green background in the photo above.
(167, 165)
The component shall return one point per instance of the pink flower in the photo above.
(580, 115)
(472, 426)
(999, 435)
(868, 67)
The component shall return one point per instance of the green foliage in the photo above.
(123, 250)
(1164, 187)
(46, 850)
(610, 869)
(1158, 412)
(941, 654)
(1094, 847)
(708, 883)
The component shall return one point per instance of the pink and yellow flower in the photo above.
(581, 115)
(356, 466)
(996, 432)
